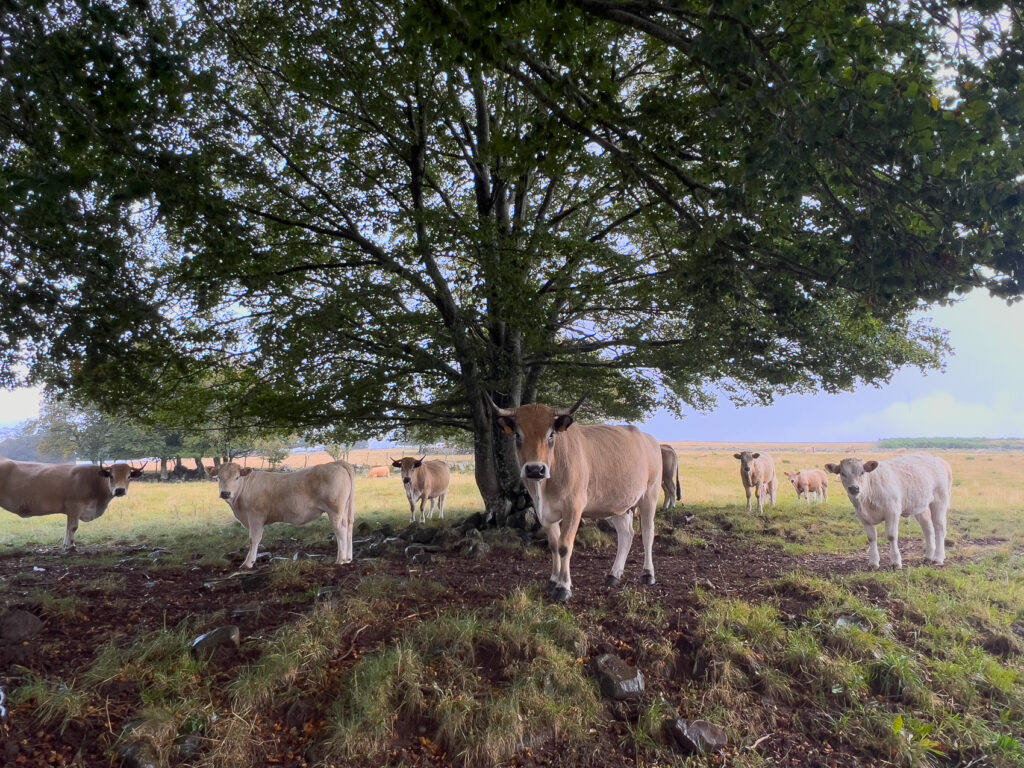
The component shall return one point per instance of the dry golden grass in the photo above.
(988, 496)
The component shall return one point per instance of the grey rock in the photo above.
(695, 736)
(246, 612)
(137, 754)
(414, 549)
(187, 747)
(216, 639)
(17, 625)
(851, 622)
(326, 593)
(476, 520)
(422, 558)
(156, 554)
(475, 549)
(618, 680)
(423, 535)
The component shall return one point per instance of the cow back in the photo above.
(432, 479)
(762, 469)
(288, 496)
(31, 488)
(909, 482)
(607, 468)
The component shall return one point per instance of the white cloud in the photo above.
(940, 414)
(19, 404)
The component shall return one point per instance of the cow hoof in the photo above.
(611, 581)
(550, 586)
(561, 594)
(648, 578)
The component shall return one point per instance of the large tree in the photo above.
(369, 215)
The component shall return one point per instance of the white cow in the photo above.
(883, 492)
(258, 499)
(757, 471)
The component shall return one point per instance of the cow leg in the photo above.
(760, 494)
(747, 489)
(566, 540)
(553, 531)
(925, 519)
(343, 535)
(892, 532)
(69, 533)
(412, 507)
(441, 502)
(773, 491)
(647, 507)
(872, 532)
(623, 525)
(255, 537)
(938, 514)
(423, 515)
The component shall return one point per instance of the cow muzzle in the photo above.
(225, 495)
(536, 470)
(853, 490)
(406, 480)
(119, 491)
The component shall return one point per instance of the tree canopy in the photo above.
(365, 215)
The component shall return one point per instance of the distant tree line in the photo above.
(951, 443)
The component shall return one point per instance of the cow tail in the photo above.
(679, 491)
(350, 509)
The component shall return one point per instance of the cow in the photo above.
(584, 472)
(757, 471)
(82, 492)
(884, 491)
(424, 481)
(379, 472)
(258, 498)
(670, 471)
(808, 481)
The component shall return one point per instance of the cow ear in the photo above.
(563, 422)
(135, 473)
(756, 455)
(104, 472)
(833, 468)
(246, 471)
(419, 463)
(211, 471)
(737, 456)
(870, 466)
(396, 463)
(508, 426)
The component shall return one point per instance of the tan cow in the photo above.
(670, 470)
(259, 498)
(379, 472)
(589, 471)
(884, 491)
(82, 492)
(808, 481)
(424, 481)
(757, 471)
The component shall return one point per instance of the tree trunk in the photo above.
(163, 468)
(200, 468)
(497, 469)
(216, 462)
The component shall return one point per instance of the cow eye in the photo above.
(519, 440)
(551, 438)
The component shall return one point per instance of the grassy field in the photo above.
(772, 628)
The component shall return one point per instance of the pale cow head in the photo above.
(119, 476)
(851, 472)
(793, 477)
(229, 478)
(408, 466)
(536, 427)
(747, 466)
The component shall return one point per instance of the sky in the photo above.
(979, 394)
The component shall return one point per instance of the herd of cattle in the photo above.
(593, 472)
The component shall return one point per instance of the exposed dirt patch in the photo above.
(122, 601)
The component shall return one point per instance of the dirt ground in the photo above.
(145, 598)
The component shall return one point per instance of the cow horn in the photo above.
(144, 465)
(508, 412)
(571, 411)
(422, 458)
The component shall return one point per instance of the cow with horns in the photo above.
(585, 472)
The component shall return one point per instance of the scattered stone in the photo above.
(137, 754)
(215, 639)
(851, 622)
(476, 520)
(187, 747)
(246, 612)
(414, 549)
(618, 680)
(695, 736)
(37, 569)
(368, 547)
(447, 538)
(17, 625)
(327, 593)
(307, 556)
(422, 558)
(423, 535)
(362, 529)
(157, 553)
(474, 549)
